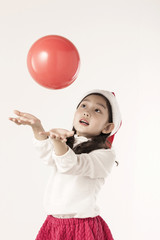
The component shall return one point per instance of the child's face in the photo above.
(92, 109)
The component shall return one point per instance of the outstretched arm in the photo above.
(24, 118)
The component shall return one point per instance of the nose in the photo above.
(86, 114)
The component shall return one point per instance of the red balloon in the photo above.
(53, 62)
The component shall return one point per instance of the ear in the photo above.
(108, 128)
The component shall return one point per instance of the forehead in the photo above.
(95, 98)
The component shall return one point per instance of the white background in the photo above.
(119, 46)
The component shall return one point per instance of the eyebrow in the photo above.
(100, 104)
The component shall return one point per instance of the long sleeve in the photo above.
(96, 164)
(44, 149)
(75, 179)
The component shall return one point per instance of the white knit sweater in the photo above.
(75, 180)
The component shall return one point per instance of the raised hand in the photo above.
(25, 119)
(58, 134)
(28, 119)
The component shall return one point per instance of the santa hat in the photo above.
(116, 115)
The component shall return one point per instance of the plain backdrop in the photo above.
(118, 42)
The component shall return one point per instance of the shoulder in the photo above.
(104, 151)
(104, 154)
(107, 156)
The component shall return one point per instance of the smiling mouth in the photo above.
(83, 122)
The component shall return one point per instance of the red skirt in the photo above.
(94, 228)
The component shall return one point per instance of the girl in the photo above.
(81, 159)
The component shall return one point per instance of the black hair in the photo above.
(96, 142)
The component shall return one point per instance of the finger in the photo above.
(25, 120)
(61, 139)
(18, 120)
(55, 136)
(15, 121)
(21, 121)
(23, 114)
(10, 118)
(70, 133)
(18, 113)
(47, 134)
(62, 136)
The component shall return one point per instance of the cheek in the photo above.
(98, 120)
(75, 116)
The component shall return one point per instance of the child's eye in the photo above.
(97, 110)
(83, 105)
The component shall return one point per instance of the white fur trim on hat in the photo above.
(114, 104)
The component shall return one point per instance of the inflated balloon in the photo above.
(53, 62)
